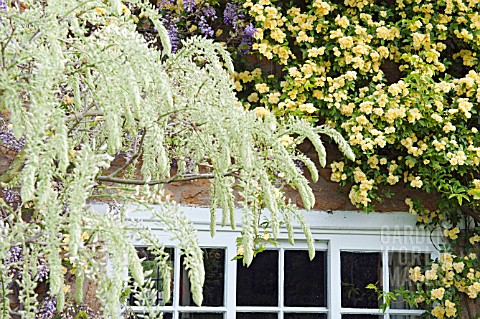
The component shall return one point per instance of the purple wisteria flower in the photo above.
(209, 12)
(249, 31)
(172, 31)
(14, 255)
(205, 29)
(10, 196)
(48, 308)
(247, 38)
(42, 271)
(189, 5)
(230, 14)
(173, 35)
(164, 3)
(3, 5)
(8, 140)
(233, 16)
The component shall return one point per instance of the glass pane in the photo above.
(257, 285)
(404, 317)
(361, 317)
(150, 264)
(307, 287)
(187, 315)
(305, 316)
(358, 270)
(259, 315)
(138, 315)
(214, 262)
(399, 264)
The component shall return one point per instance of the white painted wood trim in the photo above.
(333, 232)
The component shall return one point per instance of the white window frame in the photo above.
(332, 231)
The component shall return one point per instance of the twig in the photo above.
(79, 116)
(30, 240)
(133, 158)
(183, 178)
(4, 45)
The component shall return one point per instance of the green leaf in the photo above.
(475, 192)
(372, 286)
(81, 314)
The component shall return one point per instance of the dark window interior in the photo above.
(305, 316)
(150, 264)
(213, 289)
(305, 279)
(358, 270)
(257, 285)
(256, 315)
(201, 315)
(361, 317)
(399, 264)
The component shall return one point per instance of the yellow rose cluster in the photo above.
(388, 77)
(396, 90)
(271, 37)
(436, 283)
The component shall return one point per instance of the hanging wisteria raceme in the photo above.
(48, 308)
(205, 28)
(42, 270)
(230, 15)
(186, 18)
(209, 12)
(83, 83)
(172, 33)
(247, 38)
(234, 16)
(14, 255)
(10, 196)
(189, 5)
(8, 139)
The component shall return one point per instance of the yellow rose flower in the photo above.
(261, 111)
(438, 293)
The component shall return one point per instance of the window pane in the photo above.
(259, 315)
(307, 287)
(138, 315)
(404, 317)
(257, 285)
(358, 270)
(305, 316)
(214, 262)
(399, 264)
(187, 315)
(361, 317)
(150, 264)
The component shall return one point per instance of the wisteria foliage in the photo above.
(82, 87)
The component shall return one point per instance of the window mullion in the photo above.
(386, 277)
(334, 280)
(176, 287)
(281, 274)
(231, 280)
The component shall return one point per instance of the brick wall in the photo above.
(328, 195)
